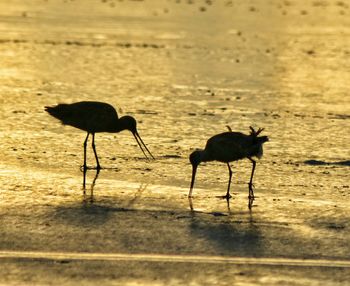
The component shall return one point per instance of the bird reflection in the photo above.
(91, 198)
(250, 204)
(138, 194)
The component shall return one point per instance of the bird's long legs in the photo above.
(98, 167)
(251, 191)
(229, 182)
(84, 180)
(85, 143)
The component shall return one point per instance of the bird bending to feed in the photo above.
(94, 117)
(228, 147)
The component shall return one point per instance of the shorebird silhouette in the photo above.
(94, 117)
(228, 147)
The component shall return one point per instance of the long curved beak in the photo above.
(142, 145)
(194, 170)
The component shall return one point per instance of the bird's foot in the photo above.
(84, 168)
(251, 196)
(227, 197)
(251, 190)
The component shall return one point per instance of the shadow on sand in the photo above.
(130, 225)
(232, 233)
(324, 163)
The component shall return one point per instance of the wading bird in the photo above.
(94, 117)
(228, 147)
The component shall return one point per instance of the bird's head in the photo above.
(129, 123)
(195, 158)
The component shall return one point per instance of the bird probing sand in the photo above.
(228, 147)
(94, 117)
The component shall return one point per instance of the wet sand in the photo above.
(184, 70)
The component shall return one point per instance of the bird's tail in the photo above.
(52, 110)
(49, 109)
(255, 133)
(59, 111)
(262, 139)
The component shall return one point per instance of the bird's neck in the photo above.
(120, 125)
(205, 156)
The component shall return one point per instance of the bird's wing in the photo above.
(229, 146)
(86, 115)
(95, 116)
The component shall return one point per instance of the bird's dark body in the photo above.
(232, 146)
(91, 116)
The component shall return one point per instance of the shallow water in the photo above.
(184, 75)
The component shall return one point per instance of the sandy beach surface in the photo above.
(185, 70)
